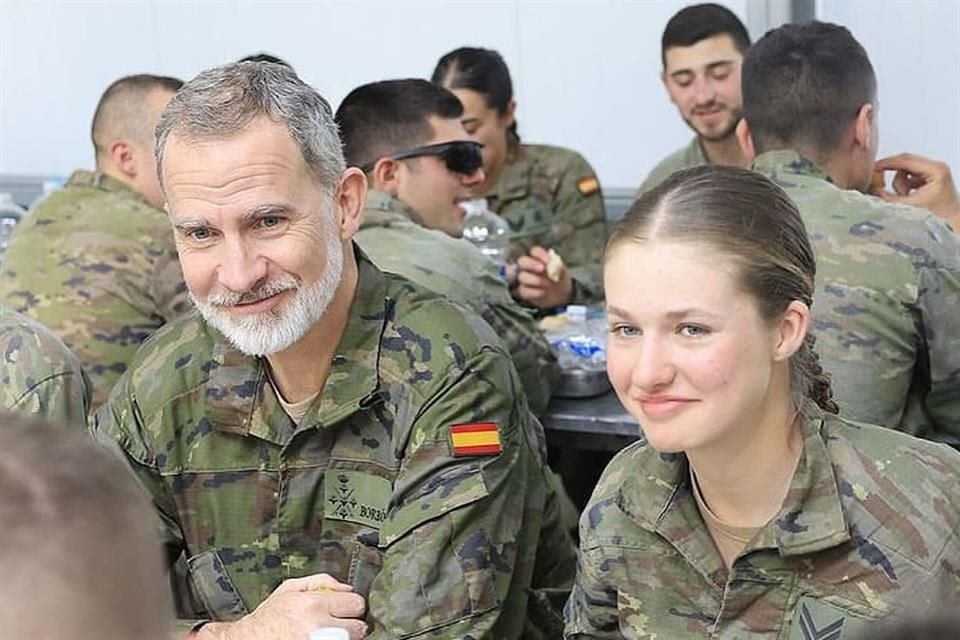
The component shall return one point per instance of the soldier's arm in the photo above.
(118, 425)
(62, 398)
(591, 611)
(43, 377)
(459, 543)
(531, 353)
(938, 301)
(578, 205)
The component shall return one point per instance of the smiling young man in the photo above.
(328, 445)
(702, 49)
(407, 136)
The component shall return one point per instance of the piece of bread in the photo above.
(554, 266)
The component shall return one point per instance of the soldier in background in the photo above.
(702, 49)
(96, 262)
(38, 374)
(549, 196)
(889, 282)
(80, 554)
(380, 120)
(329, 444)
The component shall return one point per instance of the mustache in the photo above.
(265, 290)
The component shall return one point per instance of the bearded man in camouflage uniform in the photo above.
(329, 445)
(38, 374)
(888, 283)
(96, 262)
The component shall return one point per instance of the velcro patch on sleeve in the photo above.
(475, 439)
(588, 185)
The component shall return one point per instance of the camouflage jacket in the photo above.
(886, 310)
(370, 487)
(392, 235)
(97, 265)
(38, 374)
(551, 197)
(690, 156)
(868, 530)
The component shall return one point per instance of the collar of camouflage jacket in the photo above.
(240, 398)
(514, 180)
(786, 162)
(384, 210)
(97, 180)
(693, 155)
(811, 518)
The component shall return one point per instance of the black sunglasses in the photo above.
(460, 156)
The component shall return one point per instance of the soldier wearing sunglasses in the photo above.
(406, 135)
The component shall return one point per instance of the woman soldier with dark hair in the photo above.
(549, 196)
(749, 509)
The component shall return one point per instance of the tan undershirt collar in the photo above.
(729, 540)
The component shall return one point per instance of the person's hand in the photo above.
(294, 609)
(535, 286)
(920, 182)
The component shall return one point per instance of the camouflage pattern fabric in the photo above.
(690, 156)
(38, 374)
(97, 265)
(551, 197)
(868, 531)
(367, 487)
(391, 233)
(887, 304)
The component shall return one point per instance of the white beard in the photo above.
(277, 329)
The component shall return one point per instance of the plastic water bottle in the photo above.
(486, 230)
(10, 214)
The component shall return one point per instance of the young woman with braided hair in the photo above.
(750, 508)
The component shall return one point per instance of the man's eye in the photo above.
(200, 233)
(269, 221)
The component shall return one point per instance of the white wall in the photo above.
(585, 72)
(914, 47)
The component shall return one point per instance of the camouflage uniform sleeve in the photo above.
(582, 249)
(938, 302)
(531, 353)
(459, 546)
(591, 611)
(63, 398)
(118, 425)
(41, 377)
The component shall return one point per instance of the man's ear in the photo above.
(350, 200)
(863, 126)
(745, 139)
(121, 155)
(791, 330)
(385, 176)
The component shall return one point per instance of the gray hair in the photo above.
(221, 101)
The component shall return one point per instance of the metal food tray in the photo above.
(582, 383)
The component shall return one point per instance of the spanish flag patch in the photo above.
(586, 186)
(476, 439)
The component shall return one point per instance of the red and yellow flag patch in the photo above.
(588, 185)
(476, 439)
